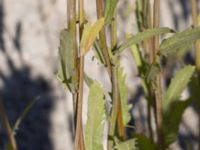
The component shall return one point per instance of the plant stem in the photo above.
(114, 111)
(197, 51)
(102, 37)
(158, 90)
(79, 139)
(6, 123)
(120, 124)
(71, 20)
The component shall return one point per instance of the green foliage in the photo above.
(110, 6)
(177, 85)
(179, 40)
(172, 120)
(66, 72)
(144, 143)
(127, 145)
(123, 90)
(141, 36)
(95, 118)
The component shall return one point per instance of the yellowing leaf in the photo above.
(89, 35)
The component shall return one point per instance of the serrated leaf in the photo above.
(177, 85)
(178, 40)
(90, 33)
(172, 120)
(95, 116)
(127, 145)
(110, 6)
(66, 72)
(144, 143)
(123, 90)
(141, 36)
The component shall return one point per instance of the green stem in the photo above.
(6, 123)
(71, 20)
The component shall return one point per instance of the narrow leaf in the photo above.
(23, 114)
(96, 114)
(178, 40)
(123, 89)
(127, 145)
(177, 85)
(89, 35)
(141, 36)
(110, 6)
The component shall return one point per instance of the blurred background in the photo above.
(29, 40)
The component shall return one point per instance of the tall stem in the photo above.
(197, 51)
(158, 90)
(71, 20)
(79, 139)
(120, 124)
(6, 123)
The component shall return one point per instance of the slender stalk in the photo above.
(197, 51)
(6, 123)
(149, 52)
(71, 20)
(120, 125)
(79, 139)
(115, 103)
(158, 91)
(102, 37)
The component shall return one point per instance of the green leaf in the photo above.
(172, 120)
(95, 116)
(123, 90)
(178, 40)
(90, 33)
(177, 85)
(141, 36)
(23, 114)
(110, 6)
(66, 72)
(144, 143)
(127, 145)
